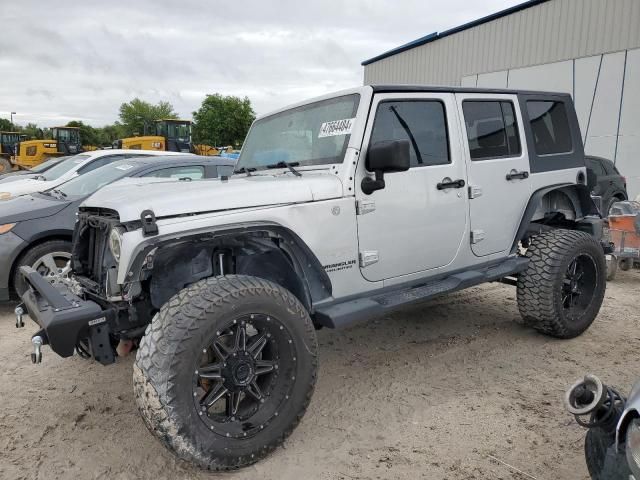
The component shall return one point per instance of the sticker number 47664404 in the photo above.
(336, 127)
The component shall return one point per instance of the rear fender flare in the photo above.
(578, 194)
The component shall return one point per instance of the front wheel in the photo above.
(226, 371)
(562, 288)
(51, 259)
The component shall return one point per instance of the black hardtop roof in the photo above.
(445, 89)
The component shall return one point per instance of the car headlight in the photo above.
(6, 227)
(633, 447)
(115, 243)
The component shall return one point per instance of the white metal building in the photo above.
(588, 48)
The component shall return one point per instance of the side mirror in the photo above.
(385, 157)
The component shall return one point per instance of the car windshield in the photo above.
(63, 167)
(46, 165)
(91, 181)
(313, 134)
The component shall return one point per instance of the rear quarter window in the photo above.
(549, 126)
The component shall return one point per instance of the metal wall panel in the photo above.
(546, 33)
(628, 148)
(586, 78)
(551, 77)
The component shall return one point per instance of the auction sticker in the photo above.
(336, 127)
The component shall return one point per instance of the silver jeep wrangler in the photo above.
(341, 208)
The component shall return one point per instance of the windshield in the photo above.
(63, 167)
(10, 138)
(67, 135)
(314, 134)
(47, 164)
(95, 179)
(179, 131)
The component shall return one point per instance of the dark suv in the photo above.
(611, 186)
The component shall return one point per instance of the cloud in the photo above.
(81, 60)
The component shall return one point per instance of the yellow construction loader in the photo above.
(170, 135)
(29, 153)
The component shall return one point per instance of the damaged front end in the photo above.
(90, 313)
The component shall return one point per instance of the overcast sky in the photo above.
(67, 60)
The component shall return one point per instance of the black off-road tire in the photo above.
(32, 255)
(164, 368)
(540, 286)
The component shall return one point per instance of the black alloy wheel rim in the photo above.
(244, 376)
(578, 285)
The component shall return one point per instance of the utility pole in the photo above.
(12, 114)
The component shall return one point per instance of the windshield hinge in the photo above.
(149, 226)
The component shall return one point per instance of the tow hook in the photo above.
(19, 311)
(36, 356)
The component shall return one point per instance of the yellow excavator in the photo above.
(29, 153)
(170, 135)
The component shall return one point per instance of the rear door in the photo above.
(497, 168)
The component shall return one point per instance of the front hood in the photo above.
(29, 207)
(24, 186)
(17, 175)
(132, 196)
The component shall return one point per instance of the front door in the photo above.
(417, 222)
(498, 170)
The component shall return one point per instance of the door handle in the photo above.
(514, 174)
(448, 183)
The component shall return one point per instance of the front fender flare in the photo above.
(305, 262)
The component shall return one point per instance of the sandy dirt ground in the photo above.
(452, 389)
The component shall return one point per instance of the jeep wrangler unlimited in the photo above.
(341, 207)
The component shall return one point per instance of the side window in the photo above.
(550, 127)
(422, 122)
(597, 167)
(492, 130)
(99, 162)
(193, 172)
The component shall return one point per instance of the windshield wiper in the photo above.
(59, 193)
(288, 165)
(246, 170)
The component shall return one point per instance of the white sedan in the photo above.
(70, 168)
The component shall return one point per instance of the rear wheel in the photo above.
(561, 291)
(226, 370)
(625, 264)
(609, 205)
(52, 259)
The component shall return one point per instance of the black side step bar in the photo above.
(340, 314)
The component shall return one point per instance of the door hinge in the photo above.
(475, 191)
(368, 257)
(365, 206)
(477, 236)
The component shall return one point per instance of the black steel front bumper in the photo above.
(65, 318)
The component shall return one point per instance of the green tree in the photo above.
(223, 120)
(5, 125)
(32, 131)
(109, 133)
(138, 114)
